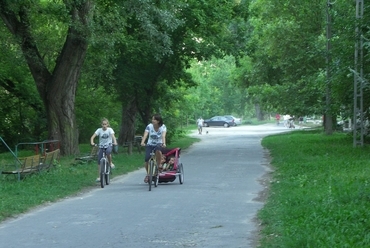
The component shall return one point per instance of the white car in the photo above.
(237, 121)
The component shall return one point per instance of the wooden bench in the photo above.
(135, 143)
(92, 156)
(49, 160)
(24, 166)
(32, 164)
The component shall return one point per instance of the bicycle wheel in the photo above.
(107, 175)
(150, 173)
(102, 172)
(181, 171)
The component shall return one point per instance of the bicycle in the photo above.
(152, 170)
(105, 169)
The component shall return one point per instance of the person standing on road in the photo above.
(300, 121)
(106, 139)
(200, 122)
(286, 120)
(156, 131)
(277, 118)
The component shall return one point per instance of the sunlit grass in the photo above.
(319, 194)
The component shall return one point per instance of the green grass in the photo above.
(319, 194)
(65, 179)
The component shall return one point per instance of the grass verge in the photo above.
(319, 192)
(65, 179)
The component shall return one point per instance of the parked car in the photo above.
(237, 121)
(219, 121)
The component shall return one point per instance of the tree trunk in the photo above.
(328, 124)
(60, 98)
(259, 112)
(127, 131)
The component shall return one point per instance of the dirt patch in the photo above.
(265, 181)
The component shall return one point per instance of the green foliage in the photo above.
(159, 46)
(293, 36)
(21, 108)
(131, 52)
(319, 191)
(216, 93)
(293, 58)
(281, 60)
(93, 104)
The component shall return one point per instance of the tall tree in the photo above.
(56, 80)
(21, 107)
(294, 39)
(199, 29)
(292, 61)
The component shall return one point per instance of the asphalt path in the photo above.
(215, 207)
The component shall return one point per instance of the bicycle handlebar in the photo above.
(157, 145)
(103, 146)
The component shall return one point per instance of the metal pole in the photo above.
(358, 114)
(328, 113)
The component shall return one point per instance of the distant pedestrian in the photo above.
(300, 120)
(200, 123)
(277, 118)
(291, 122)
(286, 120)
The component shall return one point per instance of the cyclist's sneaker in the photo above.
(112, 166)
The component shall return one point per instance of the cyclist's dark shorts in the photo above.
(149, 149)
(108, 151)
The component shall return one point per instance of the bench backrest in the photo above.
(49, 158)
(31, 162)
(94, 152)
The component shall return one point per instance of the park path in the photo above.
(215, 207)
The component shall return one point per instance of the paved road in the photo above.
(214, 207)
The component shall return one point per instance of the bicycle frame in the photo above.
(104, 169)
(152, 169)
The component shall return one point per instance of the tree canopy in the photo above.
(66, 64)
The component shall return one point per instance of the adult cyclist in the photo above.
(156, 131)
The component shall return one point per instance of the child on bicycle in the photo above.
(106, 139)
(156, 131)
